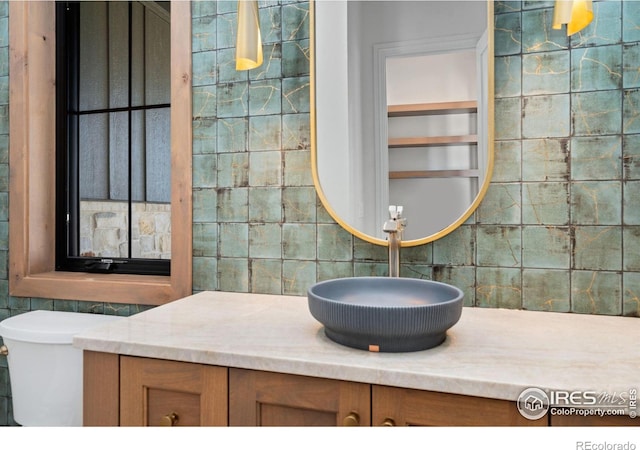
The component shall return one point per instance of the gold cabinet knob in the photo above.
(388, 422)
(169, 420)
(352, 420)
(4, 350)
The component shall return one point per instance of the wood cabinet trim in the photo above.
(101, 389)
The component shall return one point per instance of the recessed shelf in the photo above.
(403, 174)
(427, 141)
(423, 109)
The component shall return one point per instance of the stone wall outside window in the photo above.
(103, 229)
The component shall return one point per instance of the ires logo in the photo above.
(587, 398)
(534, 403)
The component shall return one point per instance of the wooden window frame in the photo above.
(32, 169)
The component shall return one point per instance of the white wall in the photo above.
(446, 77)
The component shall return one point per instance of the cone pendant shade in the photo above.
(576, 14)
(248, 40)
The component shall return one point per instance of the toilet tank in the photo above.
(44, 368)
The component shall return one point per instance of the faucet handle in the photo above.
(395, 212)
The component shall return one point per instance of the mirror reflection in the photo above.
(402, 113)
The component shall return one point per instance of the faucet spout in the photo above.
(394, 255)
(394, 228)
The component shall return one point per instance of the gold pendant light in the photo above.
(576, 14)
(248, 40)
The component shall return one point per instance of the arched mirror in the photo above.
(402, 113)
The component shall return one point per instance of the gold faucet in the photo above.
(394, 228)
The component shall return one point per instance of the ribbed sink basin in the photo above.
(385, 314)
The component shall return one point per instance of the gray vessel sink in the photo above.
(385, 314)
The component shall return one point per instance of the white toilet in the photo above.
(44, 368)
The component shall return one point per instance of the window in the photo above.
(32, 182)
(113, 143)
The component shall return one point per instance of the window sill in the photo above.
(111, 288)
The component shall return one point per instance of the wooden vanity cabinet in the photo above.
(135, 391)
(157, 392)
(274, 399)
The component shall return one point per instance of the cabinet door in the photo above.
(273, 399)
(158, 392)
(404, 407)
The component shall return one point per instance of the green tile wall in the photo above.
(559, 229)
(565, 158)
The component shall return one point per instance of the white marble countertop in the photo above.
(494, 353)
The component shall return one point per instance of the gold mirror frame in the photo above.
(490, 144)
